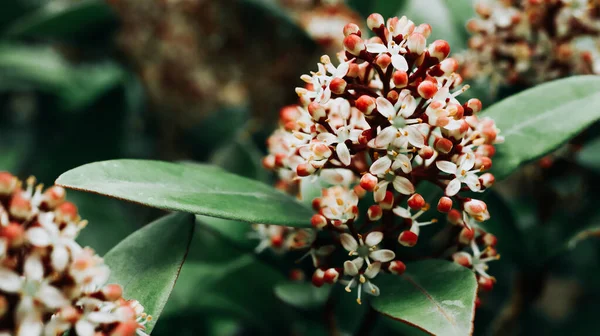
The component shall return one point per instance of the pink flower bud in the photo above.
(462, 258)
(368, 182)
(486, 284)
(316, 111)
(54, 196)
(365, 136)
(360, 191)
(416, 43)
(354, 44)
(477, 209)
(318, 278)
(487, 180)
(352, 28)
(8, 183)
(331, 276)
(475, 105)
(443, 145)
(449, 66)
(455, 217)
(400, 79)
(305, 169)
(318, 221)
(366, 104)
(383, 61)
(126, 328)
(338, 85)
(388, 201)
(374, 213)
(375, 21)
(426, 152)
(490, 240)
(427, 89)
(416, 202)
(14, 233)
(424, 29)
(397, 267)
(466, 235)
(486, 150)
(66, 212)
(20, 207)
(408, 238)
(483, 163)
(444, 204)
(439, 49)
(112, 292)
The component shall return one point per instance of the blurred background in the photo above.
(204, 80)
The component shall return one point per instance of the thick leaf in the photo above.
(59, 19)
(435, 296)
(147, 263)
(589, 156)
(302, 294)
(387, 8)
(199, 189)
(539, 120)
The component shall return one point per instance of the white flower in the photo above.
(321, 80)
(343, 133)
(478, 263)
(367, 249)
(415, 224)
(351, 268)
(395, 50)
(400, 127)
(339, 204)
(400, 183)
(462, 174)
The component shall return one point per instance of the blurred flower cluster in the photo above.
(49, 284)
(373, 126)
(533, 41)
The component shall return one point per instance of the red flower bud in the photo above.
(374, 213)
(427, 89)
(416, 202)
(318, 221)
(318, 278)
(375, 21)
(331, 276)
(408, 238)
(354, 44)
(368, 182)
(444, 204)
(366, 104)
(338, 85)
(443, 145)
(352, 28)
(397, 267)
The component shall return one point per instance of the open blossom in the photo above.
(372, 126)
(49, 284)
(531, 42)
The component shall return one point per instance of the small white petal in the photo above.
(377, 48)
(373, 270)
(342, 70)
(446, 167)
(9, 281)
(358, 262)
(399, 62)
(51, 296)
(385, 137)
(327, 138)
(30, 325)
(84, 328)
(102, 317)
(374, 238)
(403, 185)
(60, 257)
(350, 269)
(38, 237)
(383, 255)
(337, 176)
(343, 153)
(402, 162)
(385, 107)
(373, 290)
(453, 187)
(415, 137)
(466, 162)
(400, 211)
(381, 165)
(348, 242)
(33, 268)
(379, 194)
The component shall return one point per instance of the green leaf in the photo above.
(539, 120)
(195, 188)
(60, 19)
(147, 263)
(387, 8)
(365, 8)
(589, 156)
(435, 296)
(302, 294)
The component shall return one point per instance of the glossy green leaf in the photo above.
(59, 19)
(589, 156)
(195, 188)
(435, 296)
(147, 263)
(387, 8)
(302, 294)
(539, 120)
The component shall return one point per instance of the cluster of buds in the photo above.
(372, 128)
(529, 42)
(49, 284)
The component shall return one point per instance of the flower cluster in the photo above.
(373, 127)
(49, 284)
(534, 41)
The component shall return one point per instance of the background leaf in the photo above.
(147, 263)
(539, 120)
(589, 156)
(436, 296)
(199, 189)
(302, 294)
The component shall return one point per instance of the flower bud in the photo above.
(112, 292)
(463, 259)
(368, 182)
(375, 21)
(483, 163)
(439, 49)
(305, 169)
(354, 44)
(54, 196)
(426, 152)
(416, 43)
(486, 284)
(366, 104)
(388, 201)
(14, 234)
(408, 238)
(416, 202)
(489, 239)
(455, 217)
(397, 267)
(20, 207)
(126, 328)
(427, 89)
(66, 212)
(318, 278)
(360, 191)
(374, 213)
(449, 66)
(338, 85)
(316, 111)
(486, 150)
(383, 61)
(352, 28)
(424, 29)
(8, 183)
(443, 145)
(444, 204)
(296, 275)
(487, 180)
(400, 79)
(475, 105)
(331, 276)
(318, 221)
(365, 136)
(477, 209)
(466, 235)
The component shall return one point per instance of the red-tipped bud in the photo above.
(54, 196)
(439, 49)
(375, 212)
(486, 284)
(277, 240)
(416, 43)
(424, 29)
(426, 152)
(288, 114)
(20, 207)
(427, 89)
(8, 183)
(397, 267)
(316, 203)
(416, 202)
(112, 292)
(318, 278)
(360, 191)
(455, 217)
(477, 209)
(366, 104)
(316, 111)
(463, 259)
(475, 105)
(375, 21)
(483, 163)
(318, 221)
(388, 201)
(296, 275)
(443, 145)
(444, 204)
(305, 169)
(466, 235)
(490, 240)
(353, 70)
(338, 85)
(14, 234)
(487, 180)
(408, 238)
(383, 61)
(354, 44)
(126, 328)
(455, 110)
(449, 66)
(66, 212)
(351, 28)
(368, 182)
(486, 150)
(400, 79)
(331, 276)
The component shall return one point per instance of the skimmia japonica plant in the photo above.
(374, 125)
(49, 284)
